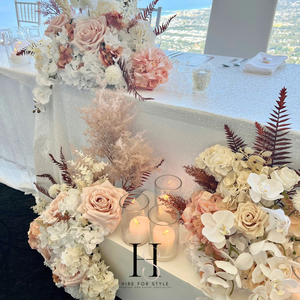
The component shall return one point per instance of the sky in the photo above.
(8, 15)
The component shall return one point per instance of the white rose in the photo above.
(296, 200)
(264, 188)
(287, 177)
(218, 159)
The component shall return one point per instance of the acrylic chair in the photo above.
(240, 28)
(29, 13)
(158, 15)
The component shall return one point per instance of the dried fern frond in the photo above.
(162, 28)
(207, 182)
(49, 9)
(49, 177)
(293, 191)
(65, 7)
(174, 202)
(64, 169)
(42, 190)
(234, 142)
(272, 137)
(131, 88)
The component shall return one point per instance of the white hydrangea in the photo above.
(104, 7)
(53, 190)
(113, 75)
(70, 203)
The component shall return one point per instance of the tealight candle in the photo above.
(18, 59)
(138, 230)
(164, 235)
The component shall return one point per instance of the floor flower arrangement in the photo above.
(244, 218)
(98, 43)
(82, 207)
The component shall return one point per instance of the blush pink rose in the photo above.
(57, 24)
(52, 215)
(60, 275)
(150, 68)
(88, 34)
(100, 205)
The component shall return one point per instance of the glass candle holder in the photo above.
(164, 233)
(12, 47)
(135, 222)
(201, 79)
(166, 186)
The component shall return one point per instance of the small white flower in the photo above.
(53, 190)
(287, 177)
(113, 75)
(259, 293)
(42, 94)
(217, 226)
(264, 188)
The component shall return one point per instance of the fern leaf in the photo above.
(234, 142)
(162, 28)
(207, 182)
(49, 177)
(42, 190)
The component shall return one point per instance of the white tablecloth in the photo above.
(179, 124)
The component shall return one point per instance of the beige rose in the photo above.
(250, 219)
(218, 159)
(57, 24)
(51, 215)
(89, 33)
(100, 205)
(60, 274)
(287, 177)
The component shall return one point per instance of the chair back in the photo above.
(28, 12)
(158, 15)
(240, 28)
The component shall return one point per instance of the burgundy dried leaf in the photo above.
(162, 28)
(234, 142)
(207, 182)
(174, 202)
(49, 177)
(42, 190)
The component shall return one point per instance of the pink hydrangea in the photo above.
(151, 67)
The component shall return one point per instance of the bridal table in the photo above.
(178, 123)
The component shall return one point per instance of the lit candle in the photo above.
(19, 59)
(138, 230)
(164, 235)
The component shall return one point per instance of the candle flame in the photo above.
(166, 197)
(165, 232)
(169, 181)
(133, 201)
(15, 49)
(136, 221)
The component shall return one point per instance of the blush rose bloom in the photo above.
(60, 275)
(52, 214)
(57, 24)
(89, 33)
(250, 219)
(100, 205)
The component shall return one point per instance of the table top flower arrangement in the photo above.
(98, 43)
(244, 218)
(82, 207)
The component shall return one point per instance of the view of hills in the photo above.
(187, 31)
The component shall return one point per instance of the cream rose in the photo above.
(287, 177)
(57, 24)
(100, 205)
(52, 214)
(218, 159)
(250, 219)
(60, 274)
(88, 34)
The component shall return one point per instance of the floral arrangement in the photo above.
(244, 221)
(98, 43)
(79, 210)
